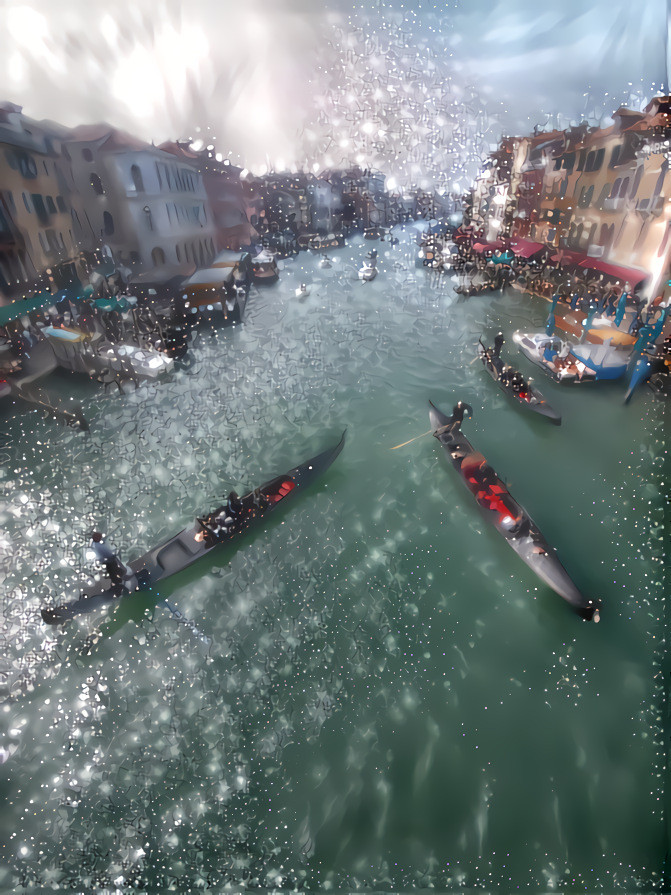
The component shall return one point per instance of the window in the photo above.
(637, 181)
(87, 155)
(616, 188)
(42, 240)
(605, 193)
(10, 200)
(167, 208)
(60, 202)
(40, 209)
(157, 256)
(134, 257)
(201, 254)
(136, 174)
(615, 155)
(562, 188)
(97, 185)
(75, 217)
(581, 159)
(186, 252)
(108, 223)
(178, 254)
(623, 188)
(46, 170)
(51, 207)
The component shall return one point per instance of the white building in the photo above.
(147, 206)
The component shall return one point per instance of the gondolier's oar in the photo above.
(430, 432)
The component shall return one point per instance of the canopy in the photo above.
(229, 258)
(481, 247)
(525, 248)
(624, 274)
(25, 306)
(566, 256)
(209, 276)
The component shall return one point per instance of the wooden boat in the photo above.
(506, 515)
(200, 538)
(515, 386)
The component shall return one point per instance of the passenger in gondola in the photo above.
(498, 344)
(506, 376)
(234, 505)
(517, 382)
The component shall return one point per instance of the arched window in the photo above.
(97, 185)
(623, 188)
(87, 155)
(186, 251)
(178, 254)
(201, 254)
(157, 256)
(108, 223)
(136, 174)
(616, 188)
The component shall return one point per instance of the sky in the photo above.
(260, 80)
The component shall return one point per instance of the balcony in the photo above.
(595, 251)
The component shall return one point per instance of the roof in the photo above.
(107, 136)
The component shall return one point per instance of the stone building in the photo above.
(147, 207)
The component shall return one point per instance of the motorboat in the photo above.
(303, 291)
(145, 362)
(569, 362)
(264, 268)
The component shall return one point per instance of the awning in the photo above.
(525, 248)
(624, 274)
(566, 256)
(25, 306)
(481, 247)
(163, 275)
(210, 276)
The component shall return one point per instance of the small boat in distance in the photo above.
(303, 291)
(200, 538)
(507, 516)
(510, 381)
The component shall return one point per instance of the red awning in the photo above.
(566, 256)
(624, 274)
(481, 247)
(525, 248)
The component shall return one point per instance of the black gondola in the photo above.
(509, 518)
(514, 384)
(200, 538)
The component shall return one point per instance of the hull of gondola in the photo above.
(197, 540)
(531, 399)
(509, 518)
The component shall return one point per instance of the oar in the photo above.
(430, 432)
(177, 614)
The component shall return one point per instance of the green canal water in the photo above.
(378, 693)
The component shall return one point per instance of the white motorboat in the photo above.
(568, 362)
(303, 291)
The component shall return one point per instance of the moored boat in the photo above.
(510, 381)
(264, 268)
(567, 362)
(200, 538)
(507, 516)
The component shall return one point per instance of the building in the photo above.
(145, 206)
(225, 195)
(36, 227)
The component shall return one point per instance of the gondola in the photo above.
(508, 517)
(200, 538)
(526, 395)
